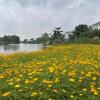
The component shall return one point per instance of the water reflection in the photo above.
(11, 48)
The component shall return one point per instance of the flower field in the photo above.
(68, 72)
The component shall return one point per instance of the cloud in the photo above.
(31, 18)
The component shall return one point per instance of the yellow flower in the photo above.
(81, 94)
(51, 69)
(98, 88)
(34, 94)
(49, 85)
(57, 80)
(72, 73)
(11, 83)
(27, 81)
(47, 81)
(6, 94)
(34, 80)
(84, 89)
(50, 99)
(94, 78)
(95, 93)
(80, 80)
(17, 80)
(64, 71)
(55, 91)
(17, 86)
(30, 74)
(92, 85)
(71, 96)
(71, 80)
(1, 76)
(88, 75)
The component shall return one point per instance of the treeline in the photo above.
(81, 34)
(56, 37)
(9, 39)
(85, 34)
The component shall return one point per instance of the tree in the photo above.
(96, 33)
(71, 37)
(57, 36)
(45, 37)
(11, 39)
(15, 39)
(32, 40)
(25, 41)
(80, 30)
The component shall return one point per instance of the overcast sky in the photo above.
(31, 18)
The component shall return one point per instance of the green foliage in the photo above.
(65, 72)
(55, 38)
(58, 36)
(96, 33)
(25, 41)
(80, 30)
(45, 37)
(10, 39)
(85, 34)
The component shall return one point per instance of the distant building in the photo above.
(96, 25)
(67, 34)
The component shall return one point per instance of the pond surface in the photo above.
(11, 48)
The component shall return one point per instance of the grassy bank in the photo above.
(69, 72)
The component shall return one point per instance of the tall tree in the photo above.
(80, 30)
(57, 36)
(45, 37)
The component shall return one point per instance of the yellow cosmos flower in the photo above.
(64, 71)
(71, 80)
(84, 89)
(96, 93)
(50, 99)
(34, 94)
(72, 73)
(80, 94)
(98, 88)
(11, 83)
(49, 85)
(6, 94)
(47, 81)
(17, 80)
(57, 80)
(34, 80)
(27, 81)
(88, 75)
(51, 69)
(55, 91)
(17, 86)
(94, 78)
(1, 76)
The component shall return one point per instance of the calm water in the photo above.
(11, 48)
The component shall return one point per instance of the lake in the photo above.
(11, 48)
